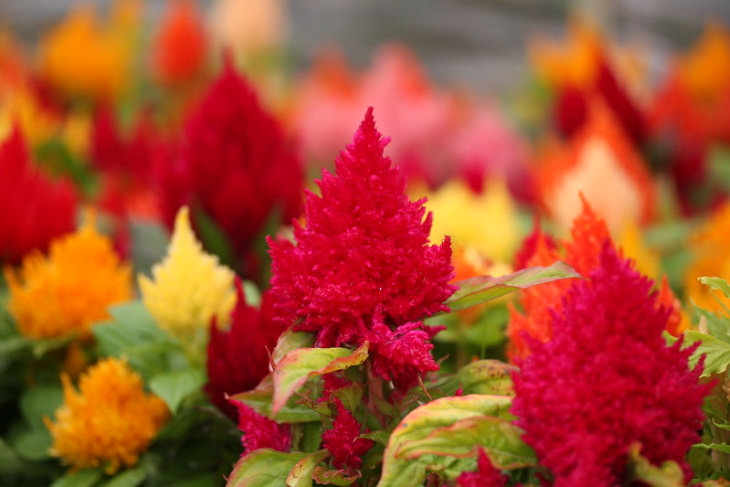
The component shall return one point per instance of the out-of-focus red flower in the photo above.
(180, 49)
(606, 380)
(233, 163)
(33, 208)
(260, 431)
(485, 476)
(343, 441)
(363, 254)
(238, 358)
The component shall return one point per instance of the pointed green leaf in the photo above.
(263, 468)
(304, 363)
(128, 478)
(325, 476)
(721, 447)
(401, 471)
(289, 341)
(487, 377)
(175, 386)
(717, 284)
(641, 470)
(260, 399)
(82, 478)
(717, 352)
(477, 290)
(39, 401)
(301, 474)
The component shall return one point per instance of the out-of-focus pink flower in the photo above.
(233, 163)
(238, 358)
(362, 256)
(33, 208)
(343, 441)
(607, 380)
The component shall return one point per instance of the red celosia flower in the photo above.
(363, 252)
(343, 440)
(238, 358)
(234, 163)
(260, 431)
(486, 476)
(607, 380)
(33, 209)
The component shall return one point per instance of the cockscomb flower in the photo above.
(109, 421)
(71, 288)
(343, 441)
(485, 476)
(238, 358)
(363, 251)
(260, 431)
(234, 164)
(607, 380)
(710, 258)
(189, 287)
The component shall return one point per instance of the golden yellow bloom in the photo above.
(70, 289)
(109, 421)
(486, 222)
(188, 287)
(711, 258)
(82, 58)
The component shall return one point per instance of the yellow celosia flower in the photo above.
(70, 289)
(188, 287)
(486, 222)
(82, 58)
(711, 258)
(109, 421)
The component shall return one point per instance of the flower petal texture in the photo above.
(189, 287)
(109, 421)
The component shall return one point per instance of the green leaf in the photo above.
(668, 474)
(149, 244)
(325, 476)
(83, 478)
(477, 290)
(213, 237)
(9, 459)
(490, 377)
(717, 325)
(263, 468)
(290, 341)
(304, 363)
(260, 400)
(45, 345)
(721, 447)
(301, 474)
(128, 478)
(717, 284)
(717, 352)
(175, 386)
(401, 471)
(39, 401)
(33, 444)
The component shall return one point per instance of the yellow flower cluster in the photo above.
(70, 289)
(109, 422)
(189, 287)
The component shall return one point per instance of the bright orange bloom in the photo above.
(600, 162)
(181, 46)
(705, 69)
(70, 289)
(109, 421)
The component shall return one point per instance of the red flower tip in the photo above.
(260, 431)
(343, 440)
(485, 476)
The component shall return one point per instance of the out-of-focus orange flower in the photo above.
(109, 422)
(180, 49)
(705, 69)
(601, 164)
(711, 258)
(81, 58)
(13, 70)
(71, 288)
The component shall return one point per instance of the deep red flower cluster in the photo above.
(343, 441)
(363, 253)
(606, 380)
(234, 163)
(238, 358)
(485, 476)
(260, 431)
(35, 209)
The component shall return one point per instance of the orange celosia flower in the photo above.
(711, 258)
(706, 68)
(81, 58)
(71, 288)
(109, 421)
(181, 46)
(601, 163)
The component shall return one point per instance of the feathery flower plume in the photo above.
(363, 256)
(485, 476)
(343, 441)
(260, 431)
(109, 421)
(606, 380)
(71, 288)
(189, 287)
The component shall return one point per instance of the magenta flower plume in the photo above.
(234, 163)
(260, 431)
(238, 358)
(485, 476)
(363, 252)
(607, 380)
(342, 440)
(33, 208)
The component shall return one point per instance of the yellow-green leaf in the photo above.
(263, 468)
